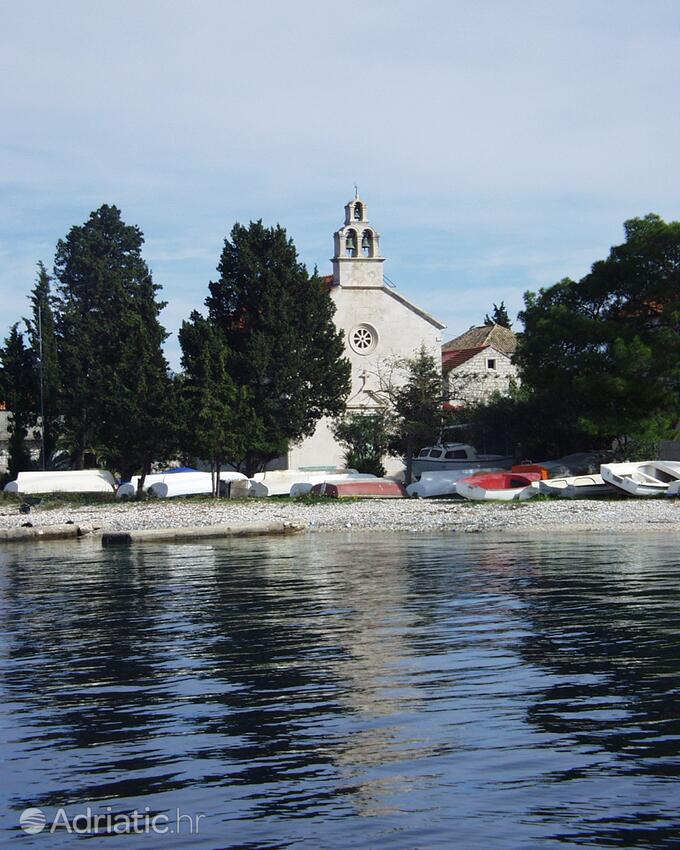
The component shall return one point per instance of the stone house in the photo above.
(478, 363)
(379, 326)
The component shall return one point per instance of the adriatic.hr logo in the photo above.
(107, 822)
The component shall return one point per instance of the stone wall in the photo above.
(474, 380)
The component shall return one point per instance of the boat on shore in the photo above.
(175, 484)
(500, 486)
(69, 481)
(440, 482)
(452, 456)
(575, 486)
(641, 478)
(378, 488)
(282, 482)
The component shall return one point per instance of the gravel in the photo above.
(383, 515)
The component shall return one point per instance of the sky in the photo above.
(499, 146)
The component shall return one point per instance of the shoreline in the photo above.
(404, 515)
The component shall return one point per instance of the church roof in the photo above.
(483, 336)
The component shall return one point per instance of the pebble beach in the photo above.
(405, 515)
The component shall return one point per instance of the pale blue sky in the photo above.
(499, 145)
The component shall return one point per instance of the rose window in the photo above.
(363, 339)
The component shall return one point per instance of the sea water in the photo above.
(343, 691)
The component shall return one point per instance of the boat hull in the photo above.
(71, 481)
(500, 486)
(379, 488)
(575, 487)
(643, 479)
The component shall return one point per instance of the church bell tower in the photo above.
(356, 258)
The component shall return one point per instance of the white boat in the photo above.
(575, 486)
(499, 486)
(167, 485)
(642, 478)
(456, 456)
(439, 482)
(280, 482)
(71, 481)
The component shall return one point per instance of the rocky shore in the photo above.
(410, 515)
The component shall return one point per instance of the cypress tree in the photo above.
(115, 382)
(16, 381)
(278, 322)
(43, 341)
(217, 416)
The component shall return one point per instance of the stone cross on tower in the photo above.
(356, 259)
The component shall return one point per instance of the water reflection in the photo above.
(348, 691)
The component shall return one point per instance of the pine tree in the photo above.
(499, 316)
(218, 419)
(278, 322)
(43, 340)
(16, 382)
(115, 383)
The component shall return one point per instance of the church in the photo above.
(379, 326)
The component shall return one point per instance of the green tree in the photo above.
(417, 404)
(278, 324)
(499, 316)
(113, 374)
(218, 419)
(17, 386)
(601, 356)
(43, 341)
(366, 440)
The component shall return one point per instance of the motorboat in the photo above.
(500, 486)
(456, 456)
(70, 481)
(440, 482)
(575, 486)
(641, 478)
(173, 483)
(377, 488)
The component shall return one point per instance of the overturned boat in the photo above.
(288, 482)
(70, 481)
(174, 484)
(440, 482)
(641, 478)
(376, 488)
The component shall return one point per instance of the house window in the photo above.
(491, 364)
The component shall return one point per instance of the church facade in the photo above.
(379, 326)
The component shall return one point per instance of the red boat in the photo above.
(367, 488)
(501, 486)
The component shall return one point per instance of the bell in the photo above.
(366, 241)
(350, 241)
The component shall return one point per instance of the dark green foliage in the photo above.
(278, 324)
(499, 316)
(115, 395)
(417, 406)
(43, 340)
(602, 356)
(218, 422)
(365, 439)
(17, 388)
